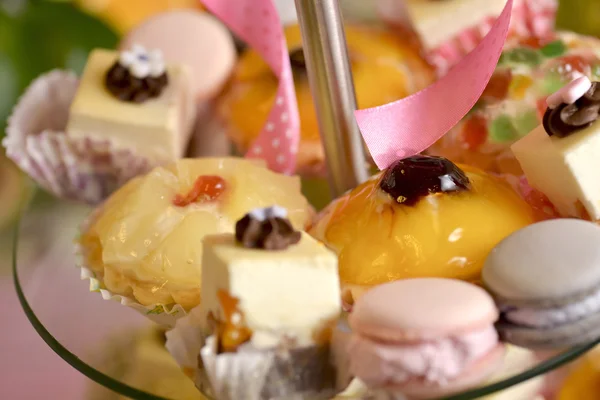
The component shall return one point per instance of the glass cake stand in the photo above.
(83, 329)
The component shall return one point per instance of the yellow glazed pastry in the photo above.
(384, 68)
(422, 217)
(145, 242)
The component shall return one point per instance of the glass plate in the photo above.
(84, 329)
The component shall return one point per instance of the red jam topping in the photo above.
(206, 188)
(233, 331)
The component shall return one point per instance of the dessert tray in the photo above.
(430, 275)
(84, 330)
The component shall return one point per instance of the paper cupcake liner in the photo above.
(163, 314)
(530, 18)
(83, 169)
(250, 373)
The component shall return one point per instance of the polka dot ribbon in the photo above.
(409, 126)
(257, 23)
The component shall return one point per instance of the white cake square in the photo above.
(158, 128)
(282, 292)
(564, 169)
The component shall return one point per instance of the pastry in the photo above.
(545, 279)
(384, 69)
(558, 157)
(424, 337)
(144, 242)
(270, 296)
(513, 102)
(267, 254)
(134, 100)
(203, 43)
(422, 217)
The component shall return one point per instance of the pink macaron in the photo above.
(424, 337)
(194, 38)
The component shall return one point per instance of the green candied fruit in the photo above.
(554, 49)
(502, 129)
(595, 72)
(525, 122)
(522, 55)
(551, 83)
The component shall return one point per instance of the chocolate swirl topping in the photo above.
(566, 119)
(126, 87)
(266, 230)
(413, 178)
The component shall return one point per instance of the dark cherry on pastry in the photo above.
(566, 119)
(266, 228)
(297, 59)
(410, 179)
(137, 76)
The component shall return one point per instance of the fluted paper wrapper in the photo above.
(83, 169)
(164, 315)
(251, 373)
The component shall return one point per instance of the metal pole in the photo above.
(332, 87)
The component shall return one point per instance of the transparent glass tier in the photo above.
(121, 350)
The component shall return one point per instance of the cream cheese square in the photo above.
(294, 292)
(158, 128)
(564, 169)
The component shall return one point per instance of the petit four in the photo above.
(546, 281)
(144, 242)
(558, 157)
(270, 298)
(421, 217)
(286, 265)
(443, 343)
(134, 100)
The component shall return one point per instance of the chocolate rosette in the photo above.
(566, 119)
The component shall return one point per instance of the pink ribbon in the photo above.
(257, 23)
(409, 126)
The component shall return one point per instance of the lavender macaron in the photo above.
(545, 279)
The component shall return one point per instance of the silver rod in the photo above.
(331, 84)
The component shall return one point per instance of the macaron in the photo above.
(424, 337)
(546, 281)
(194, 38)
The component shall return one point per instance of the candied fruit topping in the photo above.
(207, 188)
(502, 129)
(232, 331)
(519, 86)
(497, 87)
(474, 132)
(554, 49)
(412, 178)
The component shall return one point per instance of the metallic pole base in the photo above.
(332, 87)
